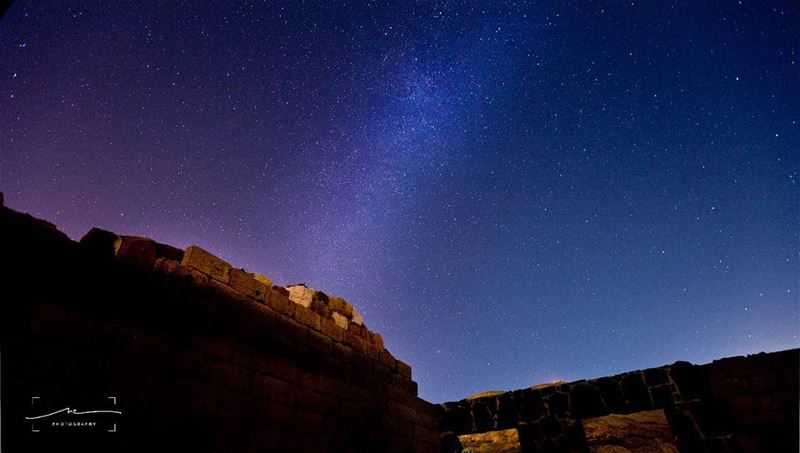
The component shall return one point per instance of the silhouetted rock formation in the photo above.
(198, 355)
(738, 404)
(201, 356)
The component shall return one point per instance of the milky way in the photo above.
(511, 193)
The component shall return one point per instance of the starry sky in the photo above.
(511, 193)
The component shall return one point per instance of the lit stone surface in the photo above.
(207, 263)
(503, 441)
(341, 321)
(263, 279)
(641, 432)
(301, 294)
(357, 318)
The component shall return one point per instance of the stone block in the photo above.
(341, 306)
(482, 416)
(301, 294)
(207, 263)
(386, 358)
(331, 329)
(457, 419)
(340, 320)
(662, 396)
(137, 251)
(558, 404)
(265, 280)
(691, 381)
(271, 388)
(190, 274)
(357, 318)
(345, 351)
(656, 376)
(169, 252)
(101, 242)
(355, 342)
(377, 340)
(505, 441)
(743, 404)
(585, 402)
(636, 392)
(612, 394)
(647, 431)
(307, 318)
(222, 289)
(321, 342)
(281, 303)
(358, 330)
(319, 307)
(247, 283)
(404, 369)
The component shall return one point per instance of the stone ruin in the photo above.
(202, 356)
(737, 404)
(199, 355)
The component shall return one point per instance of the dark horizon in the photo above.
(510, 193)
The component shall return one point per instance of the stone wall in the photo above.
(197, 355)
(738, 404)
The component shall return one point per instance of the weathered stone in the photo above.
(307, 317)
(357, 318)
(501, 441)
(207, 263)
(611, 393)
(323, 297)
(340, 320)
(690, 380)
(189, 347)
(531, 405)
(377, 339)
(137, 251)
(641, 432)
(456, 418)
(341, 306)
(636, 392)
(246, 283)
(101, 242)
(551, 426)
(687, 438)
(484, 394)
(483, 418)
(301, 294)
(558, 404)
(263, 279)
(449, 443)
(169, 252)
(585, 401)
(662, 396)
(358, 330)
(329, 328)
(132, 250)
(320, 307)
(656, 376)
(404, 369)
(280, 302)
(507, 414)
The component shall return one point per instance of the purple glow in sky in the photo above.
(511, 193)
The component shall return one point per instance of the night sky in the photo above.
(510, 193)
